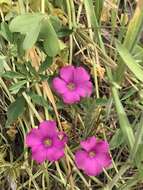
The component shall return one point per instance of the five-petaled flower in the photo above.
(94, 156)
(72, 84)
(46, 142)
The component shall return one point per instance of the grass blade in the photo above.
(130, 62)
(90, 12)
(123, 120)
(138, 139)
(133, 33)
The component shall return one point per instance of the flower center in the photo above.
(92, 154)
(71, 86)
(47, 142)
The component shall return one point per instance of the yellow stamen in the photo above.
(92, 154)
(48, 142)
(71, 86)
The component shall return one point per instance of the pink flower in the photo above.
(72, 84)
(94, 156)
(46, 142)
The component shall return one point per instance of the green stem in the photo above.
(32, 107)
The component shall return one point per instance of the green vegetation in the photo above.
(37, 38)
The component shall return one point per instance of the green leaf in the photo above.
(31, 68)
(117, 139)
(44, 77)
(130, 62)
(98, 8)
(18, 45)
(12, 74)
(101, 101)
(47, 63)
(63, 32)
(90, 11)
(16, 87)
(5, 32)
(130, 92)
(15, 110)
(139, 157)
(28, 24)
(25, 22)
(132, 37)
(39, 100)
(138, 142)
(56, 23)
(134, 27)
(125, 126)
(90, 120)
(97, 102)
(22, 68)
(31, 37)
(51, 43)
(138, 54)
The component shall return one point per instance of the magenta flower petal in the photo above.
(92, 167)
(39, 154)
(59, 85)
(58, 143)
(48, 128)
(104, 159)
(102, 146)
(73, 84)
(89, 143)
(46, 142)
(54, 154)
(89, 165)
(81, 75)
(71, 97)
(94, 156)
(67, 73)
(80, 158)
(85, 90)
(33, 138)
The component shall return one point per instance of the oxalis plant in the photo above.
(71, 101)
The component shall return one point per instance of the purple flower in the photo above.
(72, 84)
(94, 156)
(46, 142)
